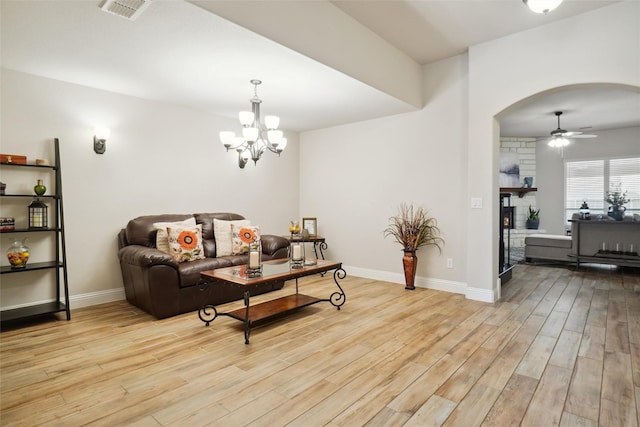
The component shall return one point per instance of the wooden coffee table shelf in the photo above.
(277, 270)
(273, 308)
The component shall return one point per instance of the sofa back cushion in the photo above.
(208, 237)
(140, 230)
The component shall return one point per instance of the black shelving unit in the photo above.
(57, 265)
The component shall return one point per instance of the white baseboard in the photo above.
(94, 298)
(484, 295)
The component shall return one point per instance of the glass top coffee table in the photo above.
(272, 271)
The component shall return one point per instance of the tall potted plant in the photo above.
(413, 228)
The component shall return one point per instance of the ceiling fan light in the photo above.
(558, 141)
(542, 6)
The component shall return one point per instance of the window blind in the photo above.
(584, 183)
(589, 181)
(624, 175)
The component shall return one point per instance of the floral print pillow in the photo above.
(185, 243)
(242, 237)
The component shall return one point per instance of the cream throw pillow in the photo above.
(162, 242)
(222, 234)
(185, 243)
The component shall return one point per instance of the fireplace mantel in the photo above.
(521, 191)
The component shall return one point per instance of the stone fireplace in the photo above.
(516, 215)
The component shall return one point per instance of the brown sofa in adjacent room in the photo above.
(158, 284)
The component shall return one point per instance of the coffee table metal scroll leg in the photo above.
(247, 322)
(338, 298)
(205, 315)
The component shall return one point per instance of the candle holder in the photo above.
(254, 261)
(296, 254)
(309, 260)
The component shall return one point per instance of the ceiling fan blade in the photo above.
(584, 135)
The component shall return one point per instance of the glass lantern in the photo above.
(254, 261)
(296, 254)
(38, 214)
(311, 258)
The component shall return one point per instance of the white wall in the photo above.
(159, 159)
(442, 156)
(602, 46)
(609, 144)
(353, 178)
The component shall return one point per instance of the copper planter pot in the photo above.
(410, 263)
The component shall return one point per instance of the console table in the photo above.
(319, 245)
(606, 242)
(273, 271)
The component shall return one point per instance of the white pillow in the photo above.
(162, 237)
(222, 234)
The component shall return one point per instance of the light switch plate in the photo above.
(476, 203)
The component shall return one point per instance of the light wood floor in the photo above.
(560, 348)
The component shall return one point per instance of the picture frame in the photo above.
(311, 225)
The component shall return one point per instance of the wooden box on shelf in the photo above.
(14, 159)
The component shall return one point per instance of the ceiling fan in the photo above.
(568, 134)
(559, 137)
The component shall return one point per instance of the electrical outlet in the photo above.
(449, 262)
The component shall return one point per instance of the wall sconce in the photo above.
(100, 139)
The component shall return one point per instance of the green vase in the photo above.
(39, 189)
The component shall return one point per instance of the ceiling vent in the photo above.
(128, 9)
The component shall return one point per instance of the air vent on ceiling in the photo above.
(128, 9)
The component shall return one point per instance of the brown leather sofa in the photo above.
(156, 283)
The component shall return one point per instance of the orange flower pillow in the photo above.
(185, 243)
(242, 237)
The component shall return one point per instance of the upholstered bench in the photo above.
(548, 247)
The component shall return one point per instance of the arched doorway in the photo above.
(525, 126)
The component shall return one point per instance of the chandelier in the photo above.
(256, 137)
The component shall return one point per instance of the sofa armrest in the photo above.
(145, 257)
(271, 244)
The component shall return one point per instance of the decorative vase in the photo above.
(40, 189)
(616, 212)
(532, 225)
(18, 253)
(410, 263)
